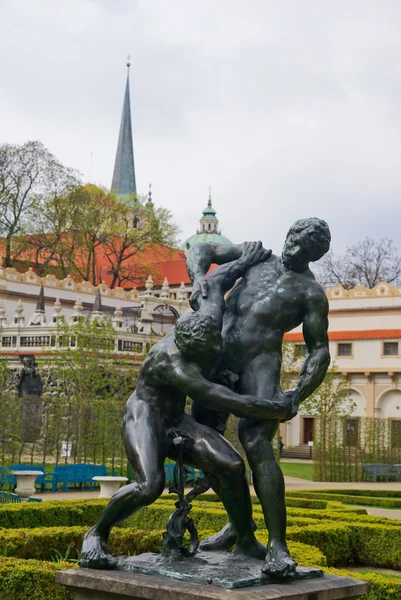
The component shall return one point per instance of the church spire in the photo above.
(124, 170)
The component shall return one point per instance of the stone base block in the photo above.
(220, 569)
(89, 584)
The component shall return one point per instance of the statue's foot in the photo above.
(279, 564)
(254, 549)
(224, 540)
(94, 553)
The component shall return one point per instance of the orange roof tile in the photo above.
(365, 334)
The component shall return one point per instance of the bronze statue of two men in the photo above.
(240, 337)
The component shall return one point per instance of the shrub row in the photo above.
(383, 587)
(86, 512)
(31, 580)
(52, 513)
(34, 580)
(348, 499)
(361, 544)
(290, 501)
(348, 492)
(44, 543)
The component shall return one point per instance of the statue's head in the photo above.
(197, 335)
(307, 241)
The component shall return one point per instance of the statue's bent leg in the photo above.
(144, 437)
(215, 455)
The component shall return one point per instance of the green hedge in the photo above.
(383, 587)
(45, 543)
(52, 513)
(349, 499)
(31, 580)
(34, 580)
(86, 512)
(290, 501)
(362, 544)
(348, 492)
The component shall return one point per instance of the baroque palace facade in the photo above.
(365, 345)
(364, 332)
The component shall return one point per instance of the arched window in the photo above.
(164, 318)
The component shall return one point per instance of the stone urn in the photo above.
(26, 483)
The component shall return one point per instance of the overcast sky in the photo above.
(288, 108)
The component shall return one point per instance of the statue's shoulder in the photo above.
(316, 296)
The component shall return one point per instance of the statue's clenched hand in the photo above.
(199, 288)
(254, 253)
(291, 401)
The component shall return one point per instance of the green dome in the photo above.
(204, 237)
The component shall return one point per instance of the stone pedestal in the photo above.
(89, 584)
(109, 484)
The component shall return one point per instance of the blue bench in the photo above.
(78, 475)
(193, 475)
(377, 470)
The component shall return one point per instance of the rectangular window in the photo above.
(344, 349)
(300, 351)
(390, 348)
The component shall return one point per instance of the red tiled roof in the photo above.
(365, 334)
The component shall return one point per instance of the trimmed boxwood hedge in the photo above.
(349, 492)
(44, 543)
(31, 580)
(383, 587)
(358, 543)
(354, 499)
(335, 533)
(290, 501)
(53, 513)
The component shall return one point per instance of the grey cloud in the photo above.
(287, 108)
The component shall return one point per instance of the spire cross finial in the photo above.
(210, 195)
(128, 60)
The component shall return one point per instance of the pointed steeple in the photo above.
(39, 317)
(124, 170)
(97, 305)
(40, 306)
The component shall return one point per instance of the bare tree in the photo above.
(30, 177)
(367, 262)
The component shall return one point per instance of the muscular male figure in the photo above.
(273, 297)
(177, 366)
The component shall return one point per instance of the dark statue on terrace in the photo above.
(226, 356)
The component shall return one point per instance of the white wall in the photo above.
(390, 404)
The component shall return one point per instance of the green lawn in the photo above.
(301, 470)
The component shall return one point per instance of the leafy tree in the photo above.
(367, 262)
(30, 177)
(137, 227)
(10, 415)
(91, 226)
(93, 216)
(87, 389)
(331, 397)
